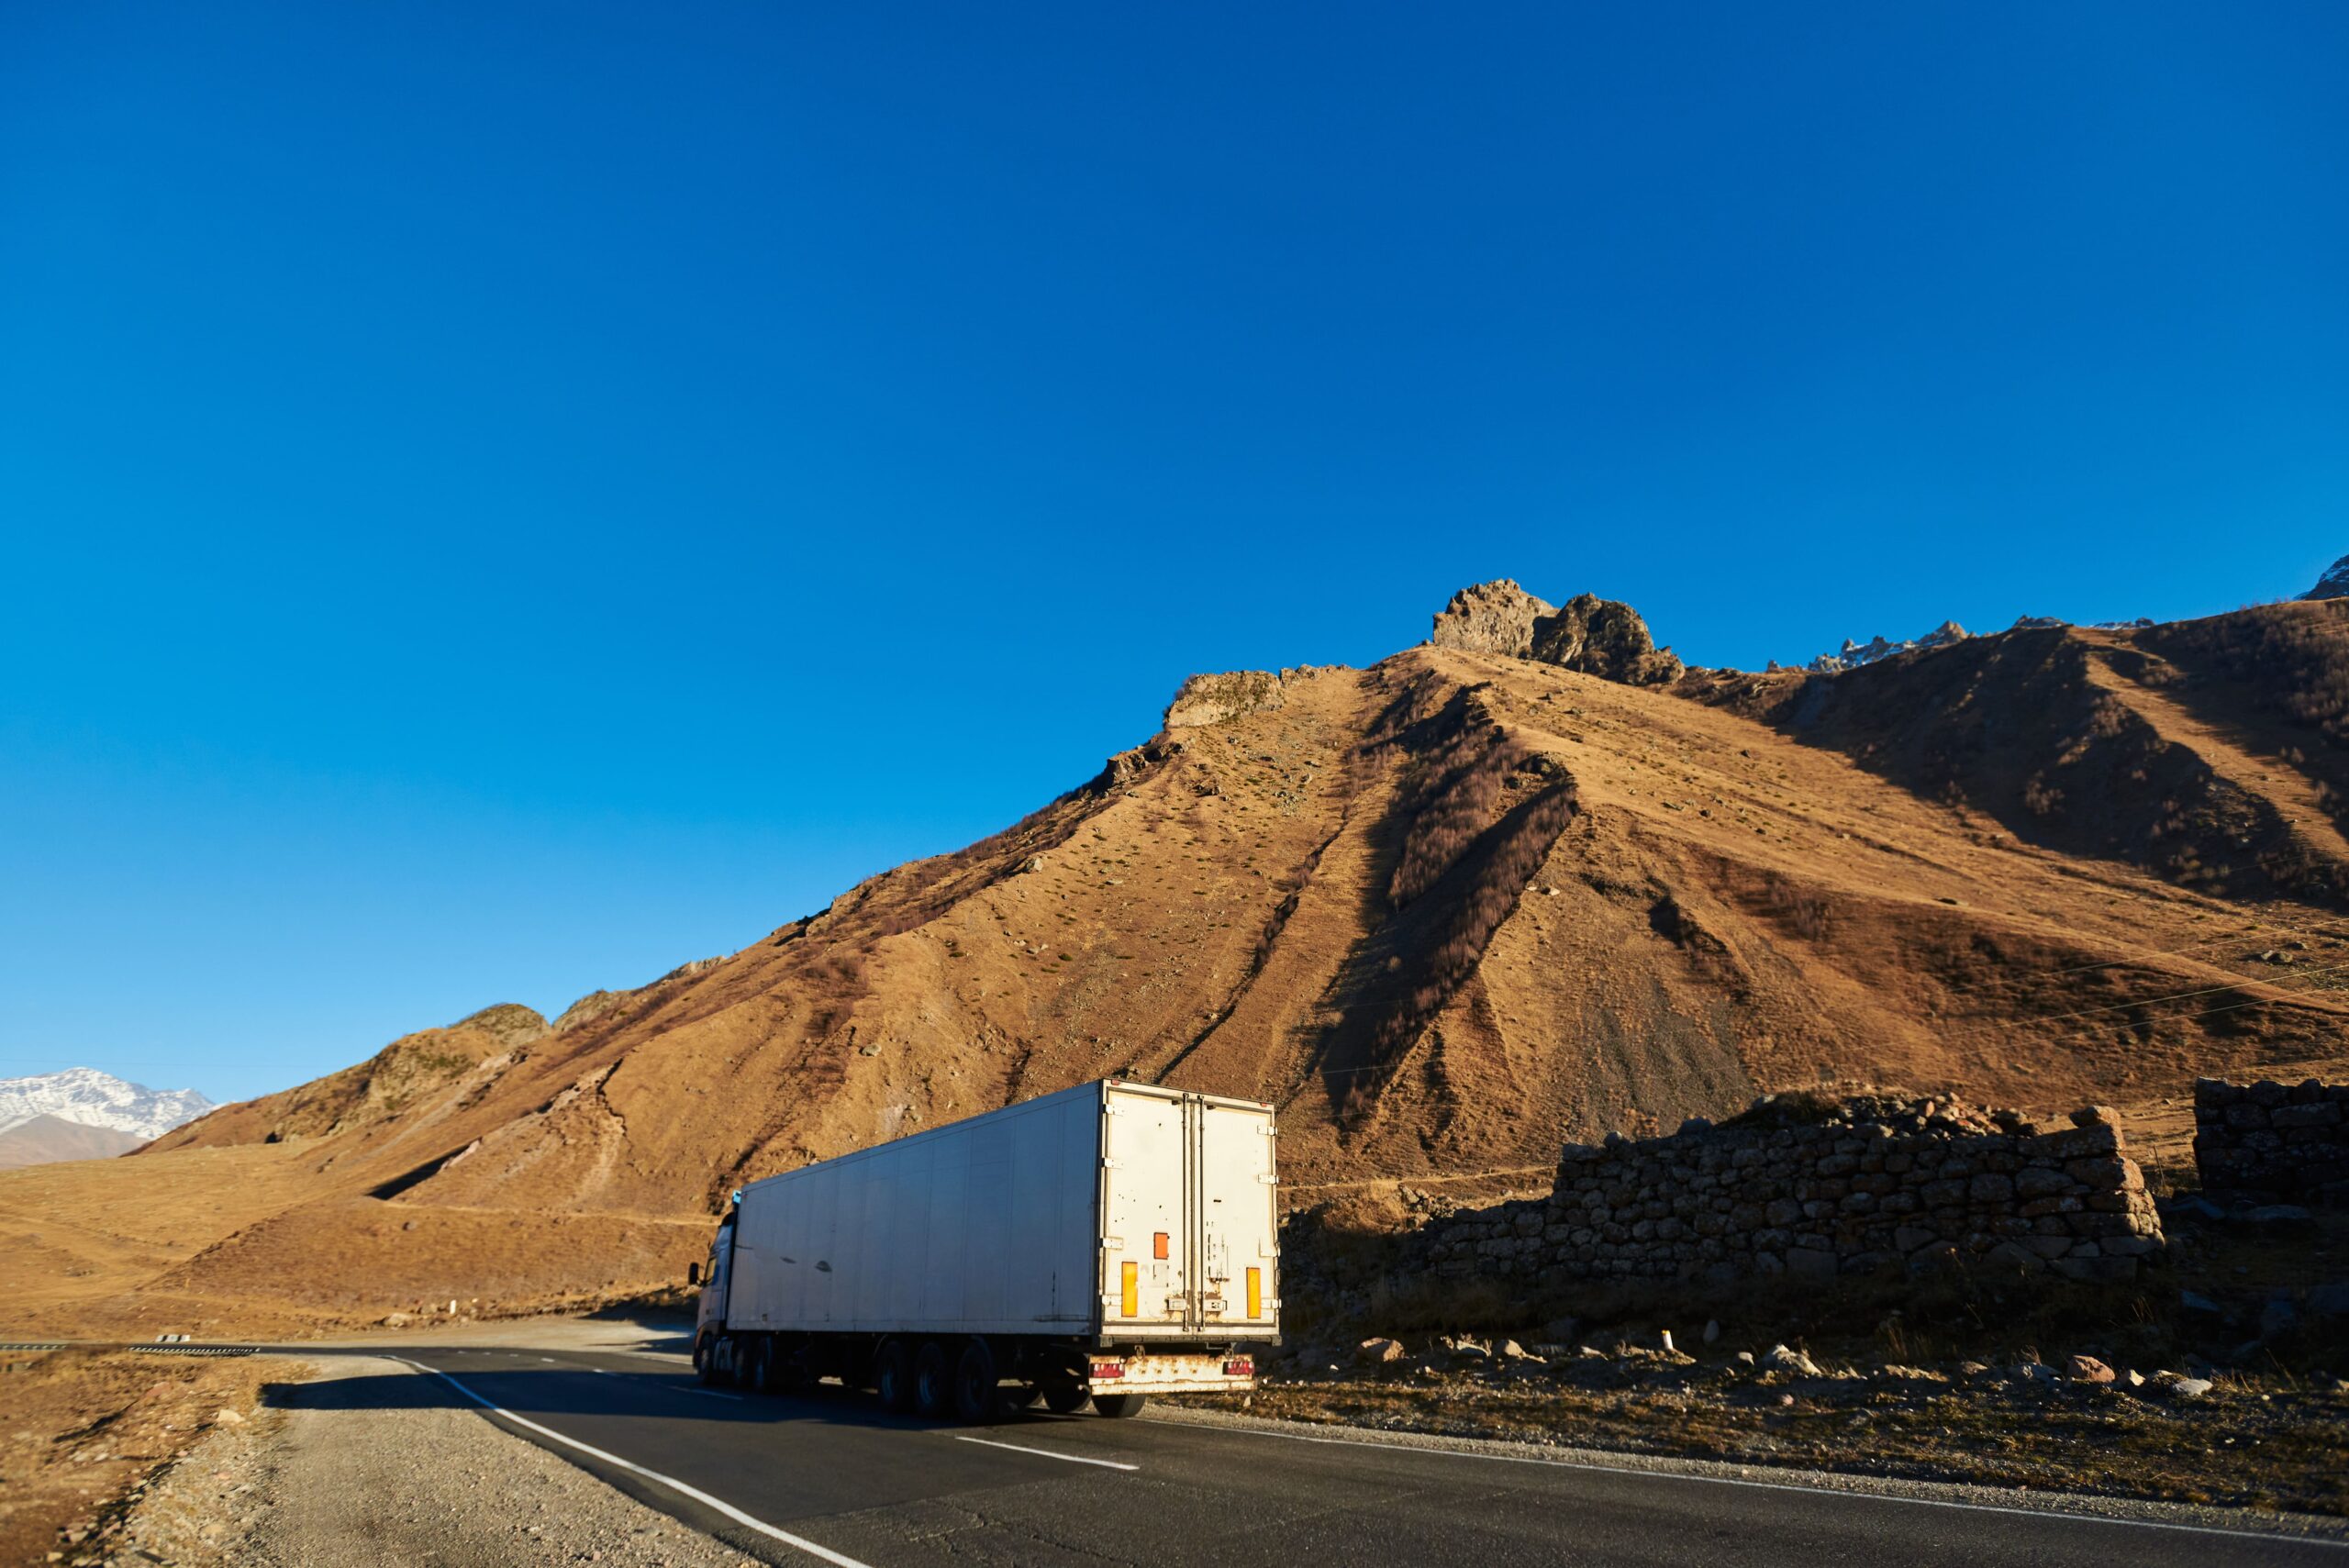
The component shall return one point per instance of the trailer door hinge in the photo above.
(1270, 1180)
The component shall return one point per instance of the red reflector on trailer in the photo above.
(1240, 1366)
(1108, 1369)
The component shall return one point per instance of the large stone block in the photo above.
(2107, 1175)
(2040, 1181)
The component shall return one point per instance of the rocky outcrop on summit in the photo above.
(511, 1024)
(1214, 699)
(1604, 638)
(1598, 637)
(2334, 585)
(1490, 618)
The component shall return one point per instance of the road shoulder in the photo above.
(2168, 1515)
(368, 1464)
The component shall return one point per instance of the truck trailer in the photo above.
(1100, 1244)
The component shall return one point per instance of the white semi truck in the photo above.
(1100, 1244)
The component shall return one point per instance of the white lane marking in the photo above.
(1776, 1487)
(825, 1552)
(1048, 1453)
(714, 1394)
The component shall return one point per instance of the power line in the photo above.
(2174, 996)
(2181, 950)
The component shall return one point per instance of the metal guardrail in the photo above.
(151, 1350)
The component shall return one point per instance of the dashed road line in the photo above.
(1048, 1453)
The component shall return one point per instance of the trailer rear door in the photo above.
(1239, 1219)
(1146, 1255)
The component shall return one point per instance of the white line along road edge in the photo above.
(1853, 1495)
(696, 1492)
(1048, 1453)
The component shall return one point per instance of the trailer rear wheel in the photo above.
(934, 1381)
(792, 1373)
(893, 1377)
(976, 1399)
(1118, 1405)
(1065, 1398)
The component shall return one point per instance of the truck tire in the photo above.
(706, 1360)
(1065, 1399)
(893, 1377)
(934, 1381)
(758, 1365)
(790, 1368)
(976, 1399)
(1119, 1406)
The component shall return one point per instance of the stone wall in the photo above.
(1812, 1190)
(2265, 1140)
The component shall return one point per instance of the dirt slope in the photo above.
(1446, 911)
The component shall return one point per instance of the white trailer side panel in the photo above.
(986, 1225)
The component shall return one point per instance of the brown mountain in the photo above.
(39, 1140)
(1445, 911)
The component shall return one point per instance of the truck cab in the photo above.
(714, 1274)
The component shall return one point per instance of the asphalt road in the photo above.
(830, 1476)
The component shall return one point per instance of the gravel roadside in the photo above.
(2180, 1516)
(362, 1477)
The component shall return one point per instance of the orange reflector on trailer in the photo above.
(1158, 1244)
(1255, 1293)
(1130, 1289)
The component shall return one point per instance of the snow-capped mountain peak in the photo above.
(2334, 585)
(92, 1098)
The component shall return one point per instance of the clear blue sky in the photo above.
(497, 500)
